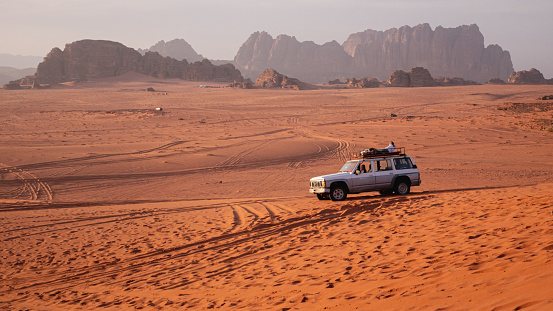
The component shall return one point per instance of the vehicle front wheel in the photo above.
(338, 193)
(402, 187)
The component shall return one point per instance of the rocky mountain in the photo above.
(92, 59)
(306, 61)
(450, 52)
(454, 52)
(8, 74)
(177, 49)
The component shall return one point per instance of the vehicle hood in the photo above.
(332, 176)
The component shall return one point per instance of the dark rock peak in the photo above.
(178, 49)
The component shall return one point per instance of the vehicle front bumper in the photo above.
(319, 190)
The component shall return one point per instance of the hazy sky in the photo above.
(217, 28)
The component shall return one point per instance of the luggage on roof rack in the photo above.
(375, 153)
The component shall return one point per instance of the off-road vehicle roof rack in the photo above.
(378, 153)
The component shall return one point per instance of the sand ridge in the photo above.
(108, 203)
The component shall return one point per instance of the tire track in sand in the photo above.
(343, 151)
(28, 185)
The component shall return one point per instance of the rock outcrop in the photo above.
(533, 76)
(399, 78)
(246, 84)
(455, 81)
(363, 83)
(177, 49)
(420, 77)
(92, 59)
(496, 81)
(417, 77)
(270, 78)
(453, 52)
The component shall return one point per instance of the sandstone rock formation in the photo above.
(270, 78)
(92, 59)
(177, 49)
(246, 84)
(533, 76)
(305, 60)
(496, 81)
(457, 52)
(453, 52)
(399, 78)
(420, 77)
(417, 77)
(363, 83)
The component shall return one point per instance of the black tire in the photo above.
(402, 187)
(338, 193)
(323, 196)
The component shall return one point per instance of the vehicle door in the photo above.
(363, 177)
(384, 173)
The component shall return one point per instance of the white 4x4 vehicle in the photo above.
(378, 170)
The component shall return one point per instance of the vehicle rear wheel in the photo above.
(338, 193)
(323, 196)
(402, 187)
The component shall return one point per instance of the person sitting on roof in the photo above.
(391, 147)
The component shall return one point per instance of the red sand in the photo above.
(106, 203)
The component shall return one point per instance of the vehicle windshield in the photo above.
(349, 166)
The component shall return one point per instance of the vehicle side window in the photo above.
(366, 167)
(403, 164)
(383, 165)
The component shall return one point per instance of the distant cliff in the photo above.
(92, 59)
(177, 49)
(304, 60)
(450, 52)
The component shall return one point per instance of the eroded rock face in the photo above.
(270, 78)
(305, 60)
(399, 78)
(420, 77)
(448, 52)
(92, 59)
(533, 76)
(457, 52)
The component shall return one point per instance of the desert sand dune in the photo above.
(108, 203)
